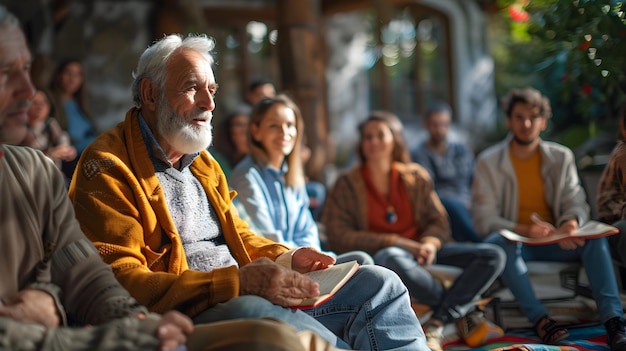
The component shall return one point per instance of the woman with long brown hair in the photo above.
(270, 181)
(387, 206)
(69, 98)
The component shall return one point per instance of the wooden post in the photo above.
(302, 65)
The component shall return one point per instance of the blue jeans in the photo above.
(617, 242)
(371, 312)
(461, 223)
(362, 257)
(617, 245)
(481, 263)
(595, 257)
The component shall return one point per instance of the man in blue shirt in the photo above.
(451, 166)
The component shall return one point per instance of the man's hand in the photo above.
(275, 283)
(172, 330)
(307, 259)
(31, 305)
(539, 230)
(569, 227)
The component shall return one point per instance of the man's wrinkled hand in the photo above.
(173, 330)
(308, 259)
(276, 283)
(31, 305)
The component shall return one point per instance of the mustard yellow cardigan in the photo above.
(122, 209)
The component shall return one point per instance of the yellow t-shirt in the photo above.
(531, 194)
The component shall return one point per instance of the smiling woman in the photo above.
(276, 133)
(270, 181)
(388, 207)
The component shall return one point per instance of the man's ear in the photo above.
(545, 124)
(148, 93)
(254, 131)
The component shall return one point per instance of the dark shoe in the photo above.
(549, 332)
(616, 334)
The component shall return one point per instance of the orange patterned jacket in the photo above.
(122, 209)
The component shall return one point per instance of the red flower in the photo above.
(586, 89)
(518, 14)
(585, 45)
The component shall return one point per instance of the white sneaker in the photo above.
(434, 336)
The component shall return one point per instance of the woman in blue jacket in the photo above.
(271, 182)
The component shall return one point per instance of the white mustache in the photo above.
(208, 115)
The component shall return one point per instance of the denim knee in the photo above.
(378, 279)
(383, 256)
(507, 245)
(251, 306)
(247, 306)
(362, 257)
(599, 246)
(494, 254)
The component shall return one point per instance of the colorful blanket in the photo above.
(592, 338)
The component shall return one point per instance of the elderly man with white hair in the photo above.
(156, 204)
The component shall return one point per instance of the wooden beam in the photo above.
(228, 15)
(329, 7)
(300, 47)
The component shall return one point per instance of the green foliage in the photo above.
(573, 136)
(574, 51)
(589, 39)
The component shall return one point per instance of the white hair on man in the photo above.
(7, 19)
(153, 65)
(153, 62)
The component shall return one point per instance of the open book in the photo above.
(590, 230)
(330, 280)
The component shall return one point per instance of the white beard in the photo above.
(182, 136)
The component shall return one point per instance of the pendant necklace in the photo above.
(391, 215)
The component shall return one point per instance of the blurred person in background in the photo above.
(231, 142)
(68, 90)
(45, 133)
(388, 207)
(259, 89)
(451, 167)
